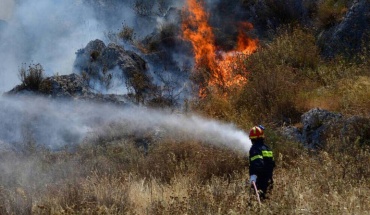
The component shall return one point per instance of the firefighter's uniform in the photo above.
(261, 161)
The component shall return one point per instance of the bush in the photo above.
(127, 33)
(31, 77)
(341, 86)
(276, 74)
(330, 12)
(170, 158)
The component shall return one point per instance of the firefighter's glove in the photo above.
(252, 179)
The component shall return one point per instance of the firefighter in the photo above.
(261, 162)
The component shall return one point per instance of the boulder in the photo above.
(64, 86)
(315, 123)
(318, 126)
(104, 65)
(351, 33)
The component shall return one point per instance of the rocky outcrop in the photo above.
(351, 33)
(70, 86)
(64, 86)
(103, 66)
(112, 68)
(318, 126)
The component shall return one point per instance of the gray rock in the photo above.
(349, 35)
(292, 133)
(319, 125)
(100, 65)
(64, 86)
(315, 123)
(70, 86)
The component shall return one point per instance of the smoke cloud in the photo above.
(45, 32)
(50, 32)
(6, 9)
(55, 124)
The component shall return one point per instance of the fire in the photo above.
(199, 33)
(221, 65)
(246, 45)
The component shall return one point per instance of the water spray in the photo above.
(56, 124)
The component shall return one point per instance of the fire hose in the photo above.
(257, 194)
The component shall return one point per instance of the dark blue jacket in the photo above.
(261, 159)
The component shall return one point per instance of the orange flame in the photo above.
(196, 29)
(199, 33)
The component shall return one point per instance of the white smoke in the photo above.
(45, 32)
(50, 33)
(6, 9)
(55, 124)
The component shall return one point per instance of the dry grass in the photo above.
(191, 178)
(348, 96)
(31, 77)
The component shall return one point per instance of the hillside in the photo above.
(150, 113)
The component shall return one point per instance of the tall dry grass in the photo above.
(188, 178)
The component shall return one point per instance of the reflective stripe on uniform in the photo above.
(256, 157)
(267, 154)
